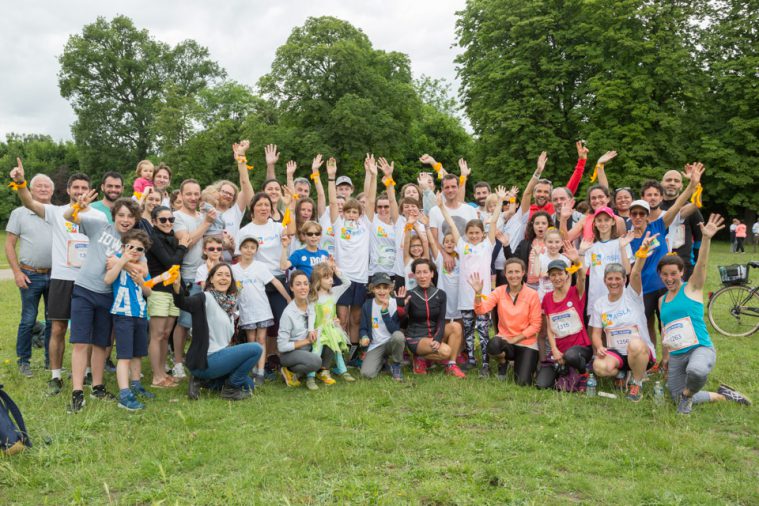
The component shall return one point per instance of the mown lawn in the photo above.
(431, 440)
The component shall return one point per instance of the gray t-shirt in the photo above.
(36, 248)
(194, 256)
(105, 241)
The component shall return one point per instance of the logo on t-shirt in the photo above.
(605, 320)
(381, 233)
(596, 259)
(375, 323)
(71, 228)
(345, 233)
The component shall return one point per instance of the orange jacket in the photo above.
(524, 317)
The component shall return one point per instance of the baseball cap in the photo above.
(641, 203)
(248, 238)
(344, 180)
(557, 264)
(382, 278)
(604, 209)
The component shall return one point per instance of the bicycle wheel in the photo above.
(734, 311)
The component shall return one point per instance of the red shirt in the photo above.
(566, 319)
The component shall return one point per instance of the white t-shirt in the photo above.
(194, 256)
(382, 253)
(473, 258)
(621, 320)
(597, 258)
(352, 244)
(449, 283)
(380, 334)
(69, 244)
(545, 285)
(328, 234)
(252, 300)
(515, 228)
(399, 267)
(676, 234)
(460, 216)
(269, 236)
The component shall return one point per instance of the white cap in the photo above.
(641, 203)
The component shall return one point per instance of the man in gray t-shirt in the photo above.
(31, 267)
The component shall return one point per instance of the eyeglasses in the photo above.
(313, 234)
(138, 249)
(164, 219)
(638, 214)
(214, 248)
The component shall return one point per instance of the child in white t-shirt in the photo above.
(255, 311)
(212, 250)
(415, 245)
(553, 242)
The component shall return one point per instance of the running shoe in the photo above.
(178, 371)
(654, 369)
(732, 394)
(347, 377)
(232, 393)
(311, 384)
(139, 391)
(77, 401)
(99, 392)
(634, 393)
(468, 366)
(54, 386)
(325, 377)
(130, 403)
(420, 365)
(395, 371)
(685, 406)
(291, 380)
(25, 369)
(485, 371)
(503, 370)
(109, 365)
(455, 371)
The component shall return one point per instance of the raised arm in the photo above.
(599, 169)
(332, 190)
(465, 173)
(387, 171)
(582, 157)
(83, 203)
(239, 151)
(696, 171)
(321, 202)
(527, 195)
(448, 219)
(571, 253)
(708, 230)
(636, 281)
(502, 196)
(17, 175)
(370, 183)
(272, 156)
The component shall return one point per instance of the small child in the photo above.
(330, 333)
(381, 328)
(309, 256)
(144, 172)
(255, 311)
(553, 242)
(130, 324)
(209, 199)
(415, 245)
(212, 249)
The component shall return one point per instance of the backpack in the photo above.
(13, 435)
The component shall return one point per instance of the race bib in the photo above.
(618, 338)
(76, 252)
(679, 334)
(565, 323)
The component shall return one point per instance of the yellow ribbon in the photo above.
(696, 197)
(138, 195)
(573, 268)
(462, 180)
(76, 207)
(594, 176)
(437, 167)
(512, 200)
(314, 176)
(286, 218)
(389, 182)
(409, 227)
(296, 196)
(250, 167)
(642, 252)
(242, 159)
(482, 297)
(15, 186)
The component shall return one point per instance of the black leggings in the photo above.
(576, 356)
(525, 359)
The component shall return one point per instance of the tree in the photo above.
(115, 75)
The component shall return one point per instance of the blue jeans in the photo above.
(30, 301)
(233, 364)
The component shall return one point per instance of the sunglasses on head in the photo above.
(624, 188)
(164, 219)
(214, 248)
(313, 234)
(545, 181)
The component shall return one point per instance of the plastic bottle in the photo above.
(590, 386)
(658, 393)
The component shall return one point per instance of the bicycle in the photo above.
(734, 308)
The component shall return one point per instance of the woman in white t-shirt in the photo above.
(352, 245)
(383, 250)
(268, 233)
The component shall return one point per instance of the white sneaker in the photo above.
(178, 371)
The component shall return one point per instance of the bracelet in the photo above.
(573, 268)
(409, 227)
(535, 175)
(296, 196)
(594, 176)
(250, 167)
(462, 180)
(388, 181)
(330, 179)
(314, 176)
(642, 252)
(76, 207)
(241, 159)
(15, 186)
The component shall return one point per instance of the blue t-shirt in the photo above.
(305, 260)
(650, 278)
(127, 297)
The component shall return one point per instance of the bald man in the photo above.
(684, 235)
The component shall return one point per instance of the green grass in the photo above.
(432, 440)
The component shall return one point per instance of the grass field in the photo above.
(431, 440)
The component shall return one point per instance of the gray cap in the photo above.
(382, 278)
(643, 204)
(344, 180)
(557, 264)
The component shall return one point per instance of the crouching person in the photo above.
(380, 328)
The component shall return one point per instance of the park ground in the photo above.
(431, 440)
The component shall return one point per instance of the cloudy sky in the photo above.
(241, 35)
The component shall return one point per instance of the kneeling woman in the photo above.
(297, 336)
(564, 308)
(210, 356)
(689, 354)
(621, 316)
(427, 334)
(519, 321)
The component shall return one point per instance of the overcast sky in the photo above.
(241, 35)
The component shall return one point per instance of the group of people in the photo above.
(319, 281)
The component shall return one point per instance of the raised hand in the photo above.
(240, 148)
(285, 240)
(370, 164)
(687, 168)
(542, 159)
(287, 196)
(331, 167)
(502, 238)
(316, 163)
(86, 198)
(585, 245)
(648, 239)
(211, 214)
(386, 168)
(567, 208)
(291, 167)
(607, 157)
(697, 170)
(476, 282)
(571, 252)
(400, 293)
(502, 193)
(423, 219)
(427, 159)
(272, 155)
(17, 173)
(714, 225)
(464, 168)
(439, 199)
(626, 239)
(425, 181)
(582, 150)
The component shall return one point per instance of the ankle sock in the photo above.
(57, 373)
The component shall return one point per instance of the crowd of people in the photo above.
(320, 286)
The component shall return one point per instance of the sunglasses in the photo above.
(138, 249)
(313, 234)
(383, 207)
(638, 214)
(164, 219)
(214, 248)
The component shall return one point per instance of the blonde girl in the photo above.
(144, 177)
(553, 243)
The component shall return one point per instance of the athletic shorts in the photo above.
(651, 304)
(91, 319)
(355, 295)
(131, 336)
(257, 325)
(161, 305)
(624, 366)
(59, 299)
(412, 343)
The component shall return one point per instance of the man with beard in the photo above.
(481, 194)
(112, 186)
(684, 233)
(542, 188)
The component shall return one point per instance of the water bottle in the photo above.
(658, 393)
(590, 386)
